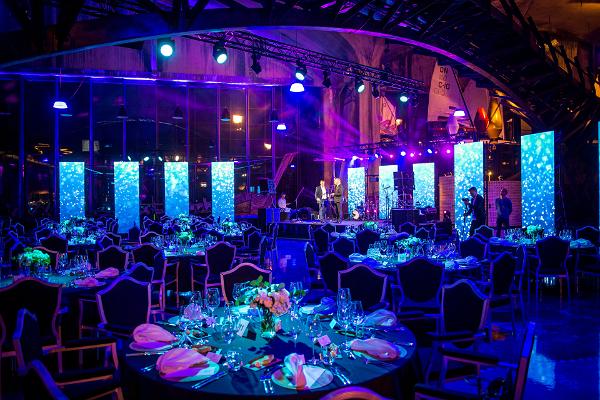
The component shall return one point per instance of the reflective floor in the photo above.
(566, 359)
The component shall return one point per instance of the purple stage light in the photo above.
(448, 151)
(412, 154)
(403, 153)
(429, 151)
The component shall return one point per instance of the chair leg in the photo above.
(513, 305)
(523, 317)
(568, 290)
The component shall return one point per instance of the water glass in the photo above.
(213, 299)
(238, 291)
(358, 317)
(313, 331)
(234, 359)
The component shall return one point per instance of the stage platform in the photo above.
(301, 229)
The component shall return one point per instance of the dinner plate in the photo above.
(323, 379)
(193, 374)
(401, 354)
(308, 309)
(150, 346)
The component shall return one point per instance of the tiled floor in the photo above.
(566, 358)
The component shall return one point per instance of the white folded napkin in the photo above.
(150, 333)
(377, 348)
(381, 318)
(179, 360)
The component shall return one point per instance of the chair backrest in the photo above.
(243, 272)
(365, 284)
(309, 255)
(27, 341)
(464, 308)
(502, 272)
(330, 264)
(105, 242)
(590, 233)
(343, 246)
(329, 228)
(141, 272)
(42, 233)
(219, 257)
(246, 234)
(524, 359)
(111, 300)
(133, 234)
(254, 240)
(552, 254)
(408, 227)
(364, 239)
(220, 237)
(321, 239)
(115, 238)
(472, 247)
(40, 298)
(160, 267)
(55, 243)
(485, 231)
(145, 253)
(155, 227)
(39, 384)
(19, 228)
(148, 237)
(422, 233)
(263, 248)
(420, 281)
(112, 256)
(353, 393)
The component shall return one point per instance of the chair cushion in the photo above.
(81, 374)
(90, 389)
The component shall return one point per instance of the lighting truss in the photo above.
(250, 43)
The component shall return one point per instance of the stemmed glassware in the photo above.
(295, 327)
(313, 331)
(297, 294)
(358, 316)
(213, 299)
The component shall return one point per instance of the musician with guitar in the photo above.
(475, 206)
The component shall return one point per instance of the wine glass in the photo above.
(358, 316)
(313, 331)
(297, 293)
(343, 297)
(213, 299)
(295, 327)
(238, 291)
(229, 330)
(182, 324)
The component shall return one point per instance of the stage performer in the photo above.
(338, 193)
(475, 206)
(321, 197)
(281, 203)
(503, 211)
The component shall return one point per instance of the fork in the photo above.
(337, 372)
(148, 368)
(266, 381)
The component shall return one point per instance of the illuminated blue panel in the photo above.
(468, 172)
(177, 191)
(72, 190)
(537, 180)
(424, 193)
(127, 195)
(356, 188)
(223, 186)
(386, 180)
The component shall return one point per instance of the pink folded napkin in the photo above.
(110, 272)
(87, 282)
(178, 360)
(150, 333)
(380, 318)
(294, 364)
(377, 348)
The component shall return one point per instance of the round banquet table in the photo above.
(394, 379)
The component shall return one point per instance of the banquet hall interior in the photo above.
(299, 199)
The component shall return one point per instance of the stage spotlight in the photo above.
(237, 119)
(177, 158)
(297, 87)
(375, 91)
(128, 158)
(292, 165)
(391, 156)
(429, 151)
(300, 73)
(359, 85)
(178, 114)
(160, 159)
(404, 98)
(412, 154)
(122, 114)
(273, 117)
(268, 146)
(146, 158)
(166, 47)
(326, 79)
(255, 64)
(281, 126)
(225, 115)
(403, 153)
(448, 151)
(60, 105)
(220, 52)
(459, 113)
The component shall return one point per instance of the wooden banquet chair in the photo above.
(27, 344)
(485, 231)
(246, 234)
(112, 256)
(419, 288)
(104, 242)
(343, 246)
(56, 243)
(516, 391)
(141, 272)
(218, 258)
(115, 238)
(422, 233)
(409, 228)
(133, 234)
(364, 239)
(472, 247)
(320, 239)
(502, 287)
(241, 273)
(366, 286)
(145, 253)
(114, 317)
(329, 266)
(552, 254)
(42, 233)
(149, 237)
(590, 233)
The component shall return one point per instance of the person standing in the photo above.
(503, 211)
(320, 197)
(475, 206)
(338, 193)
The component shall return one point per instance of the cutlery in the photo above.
(337, 372)
(148, 368)
(208, 380)
(267, 385)
(145, 353)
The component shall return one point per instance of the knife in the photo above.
(146, 353)
(213, 378)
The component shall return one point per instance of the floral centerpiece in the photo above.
(411, 245)
(371, 225)
(33, 260)
(230, 227)
(272, 300)
(185, 236)
(534, 231)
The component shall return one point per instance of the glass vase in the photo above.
(268, 325)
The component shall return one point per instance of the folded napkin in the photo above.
(150, 333)
(178, 360)
(193, 312)
(469, 260)
(380, 318)
(327, 306)
(87, 282)
(110, 272)
(377, 348)
(294, 363)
